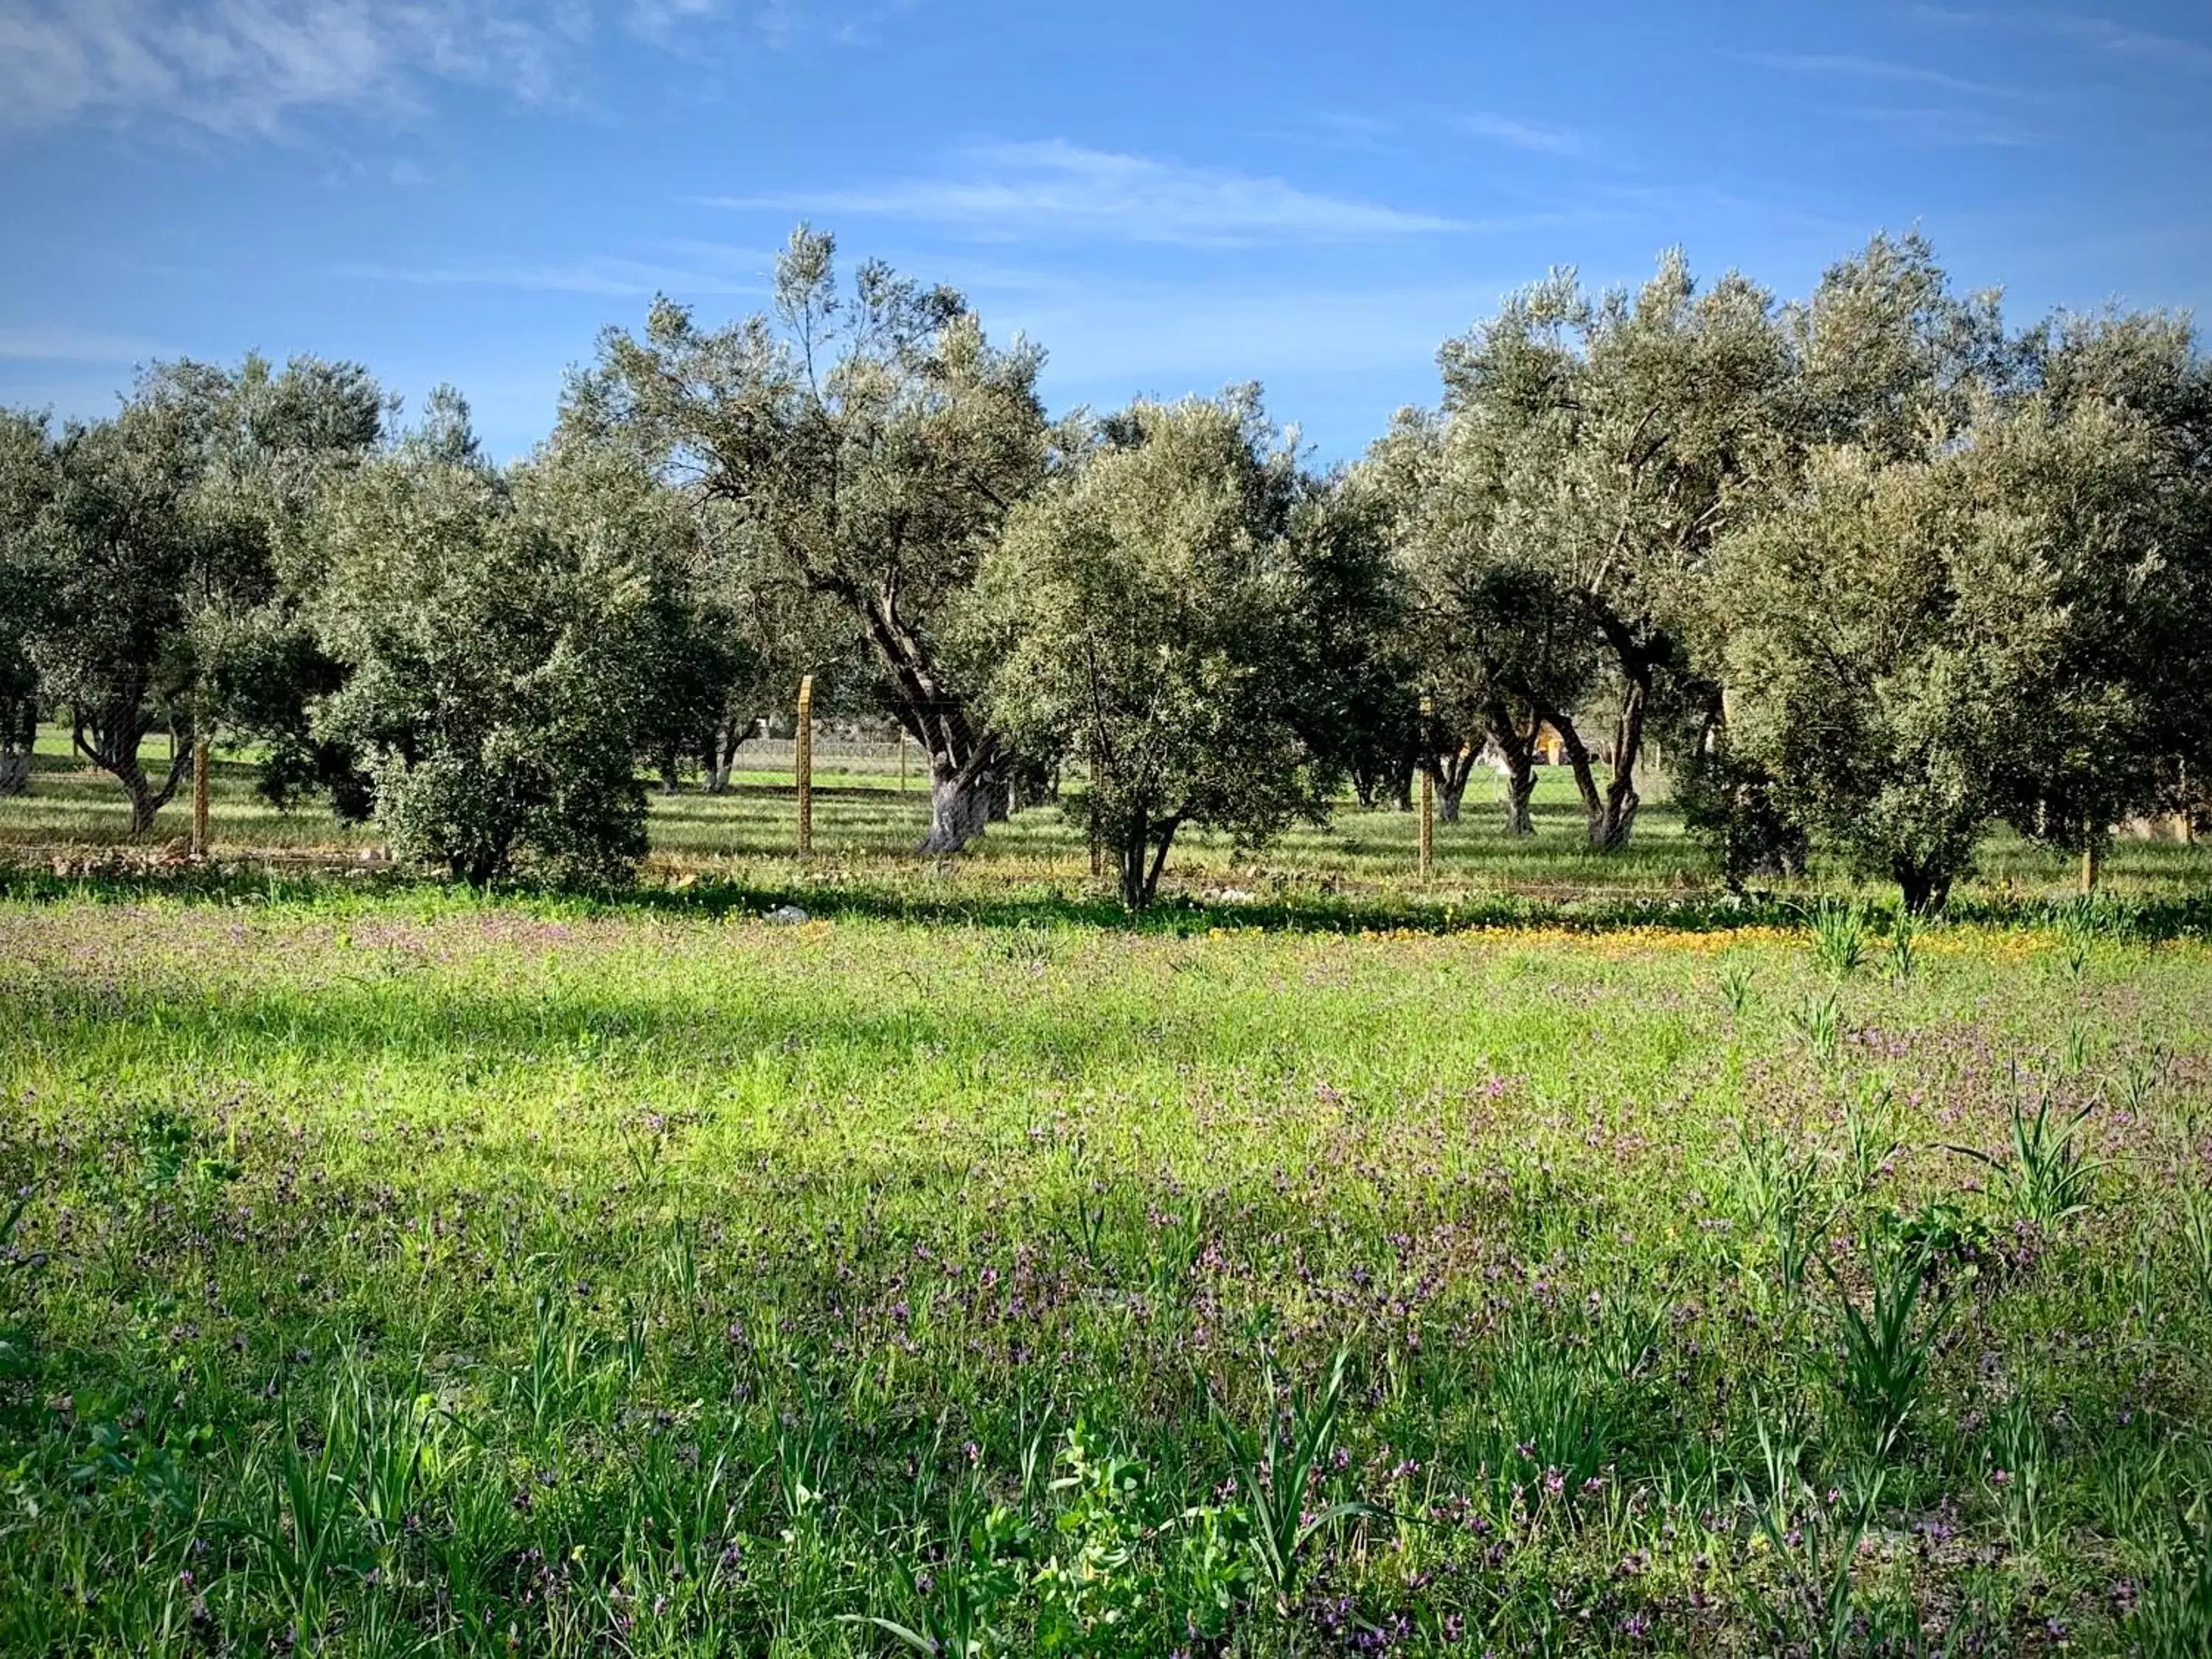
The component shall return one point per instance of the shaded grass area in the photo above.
(960, 897)
(406, 1271)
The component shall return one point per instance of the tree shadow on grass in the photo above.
(1551, 907)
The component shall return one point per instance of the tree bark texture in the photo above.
(1926, 889)
(1516, 741)
(721, 757)
(1610, 832)
(1453, 772)
(961, 800)
(1579, 763)
(19, 737)
(111, 737)
(967, 772)
(1143, 855)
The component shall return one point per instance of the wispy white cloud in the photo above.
(58, 344)
(619, 277)
(1109, 342)
(2124, 41)
(2105, 34)
(1012, 191)
(1521, 134)
(1327, 129)
(346, 171)
(791, 23)
(1946, 128)
(1974, 118)
(1942, 16)
(1696, 211)
(243, 67)
(1868, 68)
(662, 20)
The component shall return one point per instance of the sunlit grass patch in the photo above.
(409, 1268)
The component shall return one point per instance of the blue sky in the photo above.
(1170, 198)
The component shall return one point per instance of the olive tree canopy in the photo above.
(874, 441)
(1922, 644)
(1623, 435)
(153, 544)
(1502, 652)
(497, 633)
(1149, 616)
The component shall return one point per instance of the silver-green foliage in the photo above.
(497, 632)
(1907, 632)
(144, 550)
(1144, 612)
(867, 444)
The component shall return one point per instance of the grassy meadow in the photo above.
(400, 1273)
(390, 1270)
(867, 826)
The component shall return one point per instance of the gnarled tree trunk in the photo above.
(1609, 830)
(1143, 854)
(963, 799)
(19, 738)
(1579, 763)
(721, 757)
(111, 736)
(1925, 888)
(1520, 791)
(1612, 815)
(1516, 741)
(966, 768)
(1452, 772)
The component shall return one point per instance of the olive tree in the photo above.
(1145, 614)
(1922, 643)
(1881, 352)
(1885, 346)
(737, 633)
(1355, 704)
(1628, 434)
(497, 633)
(873, 442)
(2115, 457)
(24, 478)
(2066, 472)
(113, 553)
(154, 542)
(1502, 652)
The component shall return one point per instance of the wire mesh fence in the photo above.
(877, 757)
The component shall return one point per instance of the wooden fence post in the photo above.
(805, 747)
(199, 798)
(1428, 800)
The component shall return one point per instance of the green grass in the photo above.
(400, 1271)
(867, 828)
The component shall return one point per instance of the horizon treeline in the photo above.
(1873, 568)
